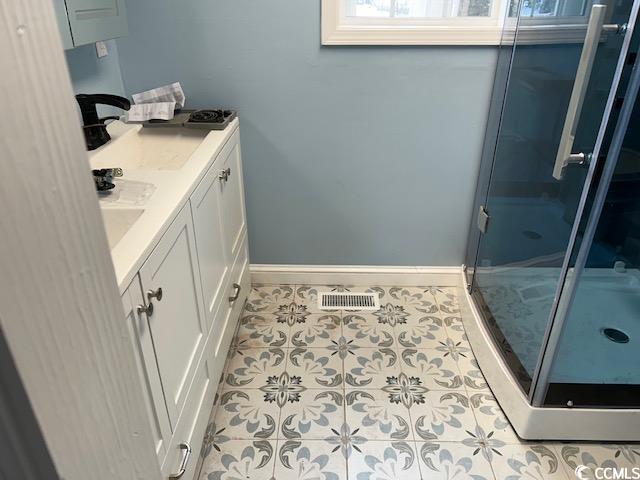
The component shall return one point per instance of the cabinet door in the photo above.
(192, 423)
(147, 367)
(63, 23)
(206, 205)
(232, 196)
(93, 20)
(177, 322)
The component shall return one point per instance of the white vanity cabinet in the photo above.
(221, 239)
(183, 307)
(220, 225)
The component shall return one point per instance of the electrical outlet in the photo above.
(101, 49)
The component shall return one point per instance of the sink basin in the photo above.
(118, 221)
(134, 147)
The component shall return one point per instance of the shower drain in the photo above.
(615, 335)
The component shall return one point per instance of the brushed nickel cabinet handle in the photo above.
(157, 294)
(186, 452)
(145, 309)
(236, 294)
(225, 174)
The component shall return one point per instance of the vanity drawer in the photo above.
(239, 285)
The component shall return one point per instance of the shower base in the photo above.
(548, 423)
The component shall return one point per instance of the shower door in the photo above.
(566, 59)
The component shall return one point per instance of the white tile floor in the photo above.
(391, 394)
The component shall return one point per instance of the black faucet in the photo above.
(95, 130)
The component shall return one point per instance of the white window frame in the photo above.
(339, 29)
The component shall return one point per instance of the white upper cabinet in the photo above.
(170, 282)
(87, 21)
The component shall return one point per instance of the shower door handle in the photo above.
(589, 49)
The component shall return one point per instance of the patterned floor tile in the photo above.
(417, 301)
(292, 314)
(446, 298)
(251, 368)
(456, 349)
(382, 291)
(377, 460)
(390, 394)
(268, 298)
(240, 459)
(312, 416)
(391, 313)
(318, 331)
(456, 331)
(371, 367)
(364, 330)
(448, 461)
(247, 414)
(473, 378)
(421, 331)
(528, 461)
(436, 369)
(490, 417)
(345, 439)
(308, 460)
(594, 456)
(317, 367)
(261, 331)
(447, 415)
(379, 415)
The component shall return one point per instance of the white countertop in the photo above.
(172, 191)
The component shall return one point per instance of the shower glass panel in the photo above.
(562, 69)
(598, 355)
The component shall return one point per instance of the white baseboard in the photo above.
(355, 275)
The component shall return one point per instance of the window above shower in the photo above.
(451, 22)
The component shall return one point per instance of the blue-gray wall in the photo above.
(352, 155)
(90, 74)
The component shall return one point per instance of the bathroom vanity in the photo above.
(181, 260)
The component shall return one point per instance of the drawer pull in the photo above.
(148, 309)
(224, 174)
(186, 452)
(236, 294)
(157, 294)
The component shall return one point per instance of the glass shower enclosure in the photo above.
(554, 245)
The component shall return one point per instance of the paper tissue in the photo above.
(156, 104)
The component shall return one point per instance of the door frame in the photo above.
(60, 308)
